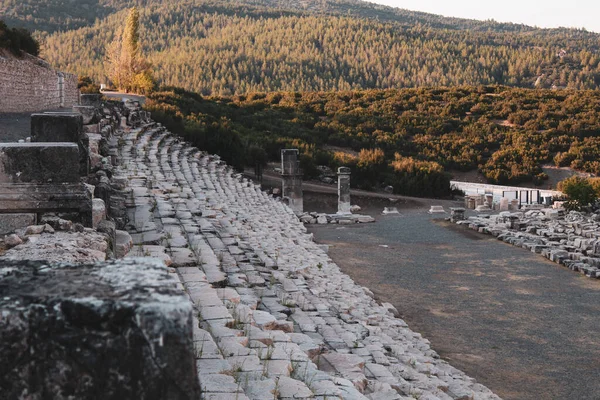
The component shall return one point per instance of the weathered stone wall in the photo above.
(29, 84)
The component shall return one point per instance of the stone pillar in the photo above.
(291, 179)
(344, 190)
(489, 200)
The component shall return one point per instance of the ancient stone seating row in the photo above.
(275, 317)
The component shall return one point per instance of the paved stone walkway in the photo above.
(276, 318)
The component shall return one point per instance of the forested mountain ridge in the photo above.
(61, 15)
(233, 47)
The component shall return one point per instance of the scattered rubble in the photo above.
(390, 210)
(322, 218)
(437, 210)
(571, 239)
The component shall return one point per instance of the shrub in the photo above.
(579, 191)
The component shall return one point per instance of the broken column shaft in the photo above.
(291, 179)
(344, 190)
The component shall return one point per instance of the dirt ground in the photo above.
(519, 324)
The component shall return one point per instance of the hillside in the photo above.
(219, 48)
(408, 138)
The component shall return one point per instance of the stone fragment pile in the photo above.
(341, 219)
(275, 318)
(572, 239)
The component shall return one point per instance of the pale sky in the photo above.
(545, 14)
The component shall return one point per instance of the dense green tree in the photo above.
(579, 191)
(17, 40)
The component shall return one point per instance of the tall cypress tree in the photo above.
(127, 69)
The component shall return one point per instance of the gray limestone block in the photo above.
(62, 127)
(120, 330)
(39, 163)
(56, 127)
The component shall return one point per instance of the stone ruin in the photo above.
(570, 239)
(232, 300)
(346, 213)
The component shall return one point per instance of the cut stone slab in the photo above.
(123, 244)
(261, 390)
(182, 257)
(151, 251)
(56, 127)
(218, 383)
(39, 163)
(437, 210)
(289, 388)
(122, 329)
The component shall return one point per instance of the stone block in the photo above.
(10, 222)
(62, 127)
(93, 100)
(56, 127)
(98, 212)
(122, 329)
(39, 163)
(90, 114)
(42, 198)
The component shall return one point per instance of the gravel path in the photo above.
(523, 326)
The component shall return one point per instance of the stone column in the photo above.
(344, 190)
(291, 179)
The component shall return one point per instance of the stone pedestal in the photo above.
(122, 330)
(457, 214)
(291, 179)
(39, 163)
(42, 177)
(344, 190)
(62, 127)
